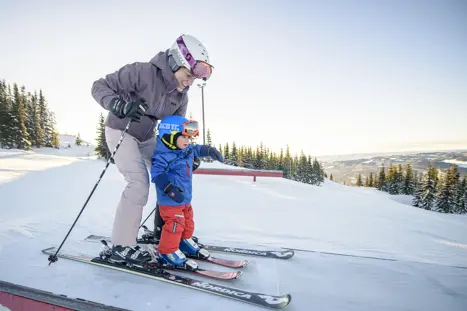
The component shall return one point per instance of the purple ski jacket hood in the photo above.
(152, 81)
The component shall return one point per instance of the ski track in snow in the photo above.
(340, 229)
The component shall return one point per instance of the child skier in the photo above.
(172, 166)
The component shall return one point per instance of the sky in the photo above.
(325, 77)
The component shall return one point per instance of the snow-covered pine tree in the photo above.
(460, 195)
(417, 195)
(38, 140)
(359, 180)
(101, 149)
(78, 140)
(318, 172)
(446, 200)
(7, 139)
(391, 180)
(226, 151)
(376, 180)
(399, 178)
(371, 182)
(20, 119)
(29, 105)
(234, 152)
(464, 185)
(408, 187)
(428, 188)
(382, 179)
(287, 163)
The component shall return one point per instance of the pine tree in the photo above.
(19, 123)
(7, 139)
(399, 179)
(359, 180)
(408, 187)
(318, 173)
(371, 182)
(54, 140)
(382, 179)
(43, 115)
(78, 140)
(460, 203)
(446, 200)
(417, 196)
(367, 182)
(463, 208)
(393, 180)
(287, 163)
(38, 140)
(331, 178)
(30, 118)
(101, 149)
(376, 180)
(226, 151)
(428, 188)
(234, 152)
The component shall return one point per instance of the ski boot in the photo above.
(177, 260)
(131, 255)
(192, 249)
(149, 236)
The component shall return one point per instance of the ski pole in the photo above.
(53, 258)
(148, 217)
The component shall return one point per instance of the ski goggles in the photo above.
(199, 69)
(190, 128)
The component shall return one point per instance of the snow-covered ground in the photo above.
(42, 192)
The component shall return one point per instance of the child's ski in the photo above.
(282, 254)
(214, 260)
(259, 299)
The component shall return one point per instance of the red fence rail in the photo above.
(239, 172)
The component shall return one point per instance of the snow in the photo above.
(337, 228)
(457, 162)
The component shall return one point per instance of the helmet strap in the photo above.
(170, 140)
(173, 64)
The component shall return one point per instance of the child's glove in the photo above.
(163, 183)
(196, 163)
(174, 193)
(206, 150)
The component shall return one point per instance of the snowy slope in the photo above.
(40, 195)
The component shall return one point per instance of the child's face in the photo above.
(183, 142)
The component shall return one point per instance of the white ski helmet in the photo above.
(189, 52)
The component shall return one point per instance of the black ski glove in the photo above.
(133, 109)
(196, 163)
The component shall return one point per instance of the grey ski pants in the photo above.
(133, 159)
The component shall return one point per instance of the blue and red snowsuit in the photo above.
(178, 217)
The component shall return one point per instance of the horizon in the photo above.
(328, 79)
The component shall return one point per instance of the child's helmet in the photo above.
(171, 127)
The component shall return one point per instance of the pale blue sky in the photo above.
(328, 77)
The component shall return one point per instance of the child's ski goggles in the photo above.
(190, 128)
(200, 69)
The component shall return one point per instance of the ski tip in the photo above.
(49, 250)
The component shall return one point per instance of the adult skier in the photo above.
(144, 92)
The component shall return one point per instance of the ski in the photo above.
(211, 259)
(258, 299)
(282, 254)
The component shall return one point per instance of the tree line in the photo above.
(434, 189)
(25, 120)
(300, 168)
